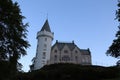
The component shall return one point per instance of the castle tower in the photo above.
(44, 37)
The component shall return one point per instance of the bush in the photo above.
(71, 72)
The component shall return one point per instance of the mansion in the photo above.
(60, 52)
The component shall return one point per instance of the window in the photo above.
(37, 45)
(44, 55)
(66, 58)
(45, 39)
(55, 57)
(86, 58)
(43, 62)
(83, 60)
(76, 51)
(55, 51)
(76, 59)
(44, 49)
(65, 51)
(45, 45)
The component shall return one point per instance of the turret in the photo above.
(44, 42)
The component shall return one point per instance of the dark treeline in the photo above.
(70, 72)
(13, 43)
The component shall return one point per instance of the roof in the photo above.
(85, 51)
(46, 27)
(71, 46)
(61, 45)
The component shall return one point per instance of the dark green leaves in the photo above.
(114, 49)
(13, 34)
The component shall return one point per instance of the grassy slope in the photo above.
(71, 72)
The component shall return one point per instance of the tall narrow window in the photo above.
(45, 47)
(45, 39)
(83, 60)
(86, 58)
(76, 59)
(44, 55)
(55, 57)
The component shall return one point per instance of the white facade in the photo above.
(44, 37)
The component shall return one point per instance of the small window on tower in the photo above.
(65, 51)
(45, 39)
(44, 55)
(45, 45)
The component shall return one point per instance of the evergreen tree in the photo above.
(13, 34)
(114, 49)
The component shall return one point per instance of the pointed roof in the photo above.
(46, 26)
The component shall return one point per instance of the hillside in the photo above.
(71, 72)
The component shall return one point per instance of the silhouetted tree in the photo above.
(13, 34)
(114, 49)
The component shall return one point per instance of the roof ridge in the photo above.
(60, 45)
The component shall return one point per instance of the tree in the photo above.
(13, 34)
(114, 49)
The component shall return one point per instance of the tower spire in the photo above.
(46, 26)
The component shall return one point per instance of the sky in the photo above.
(90, 23)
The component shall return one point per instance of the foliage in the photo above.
(70, 72)
(13, 34)
(4, 70)
(114, 49)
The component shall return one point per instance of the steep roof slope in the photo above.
(46, 27)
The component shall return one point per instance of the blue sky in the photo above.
(90, 23)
